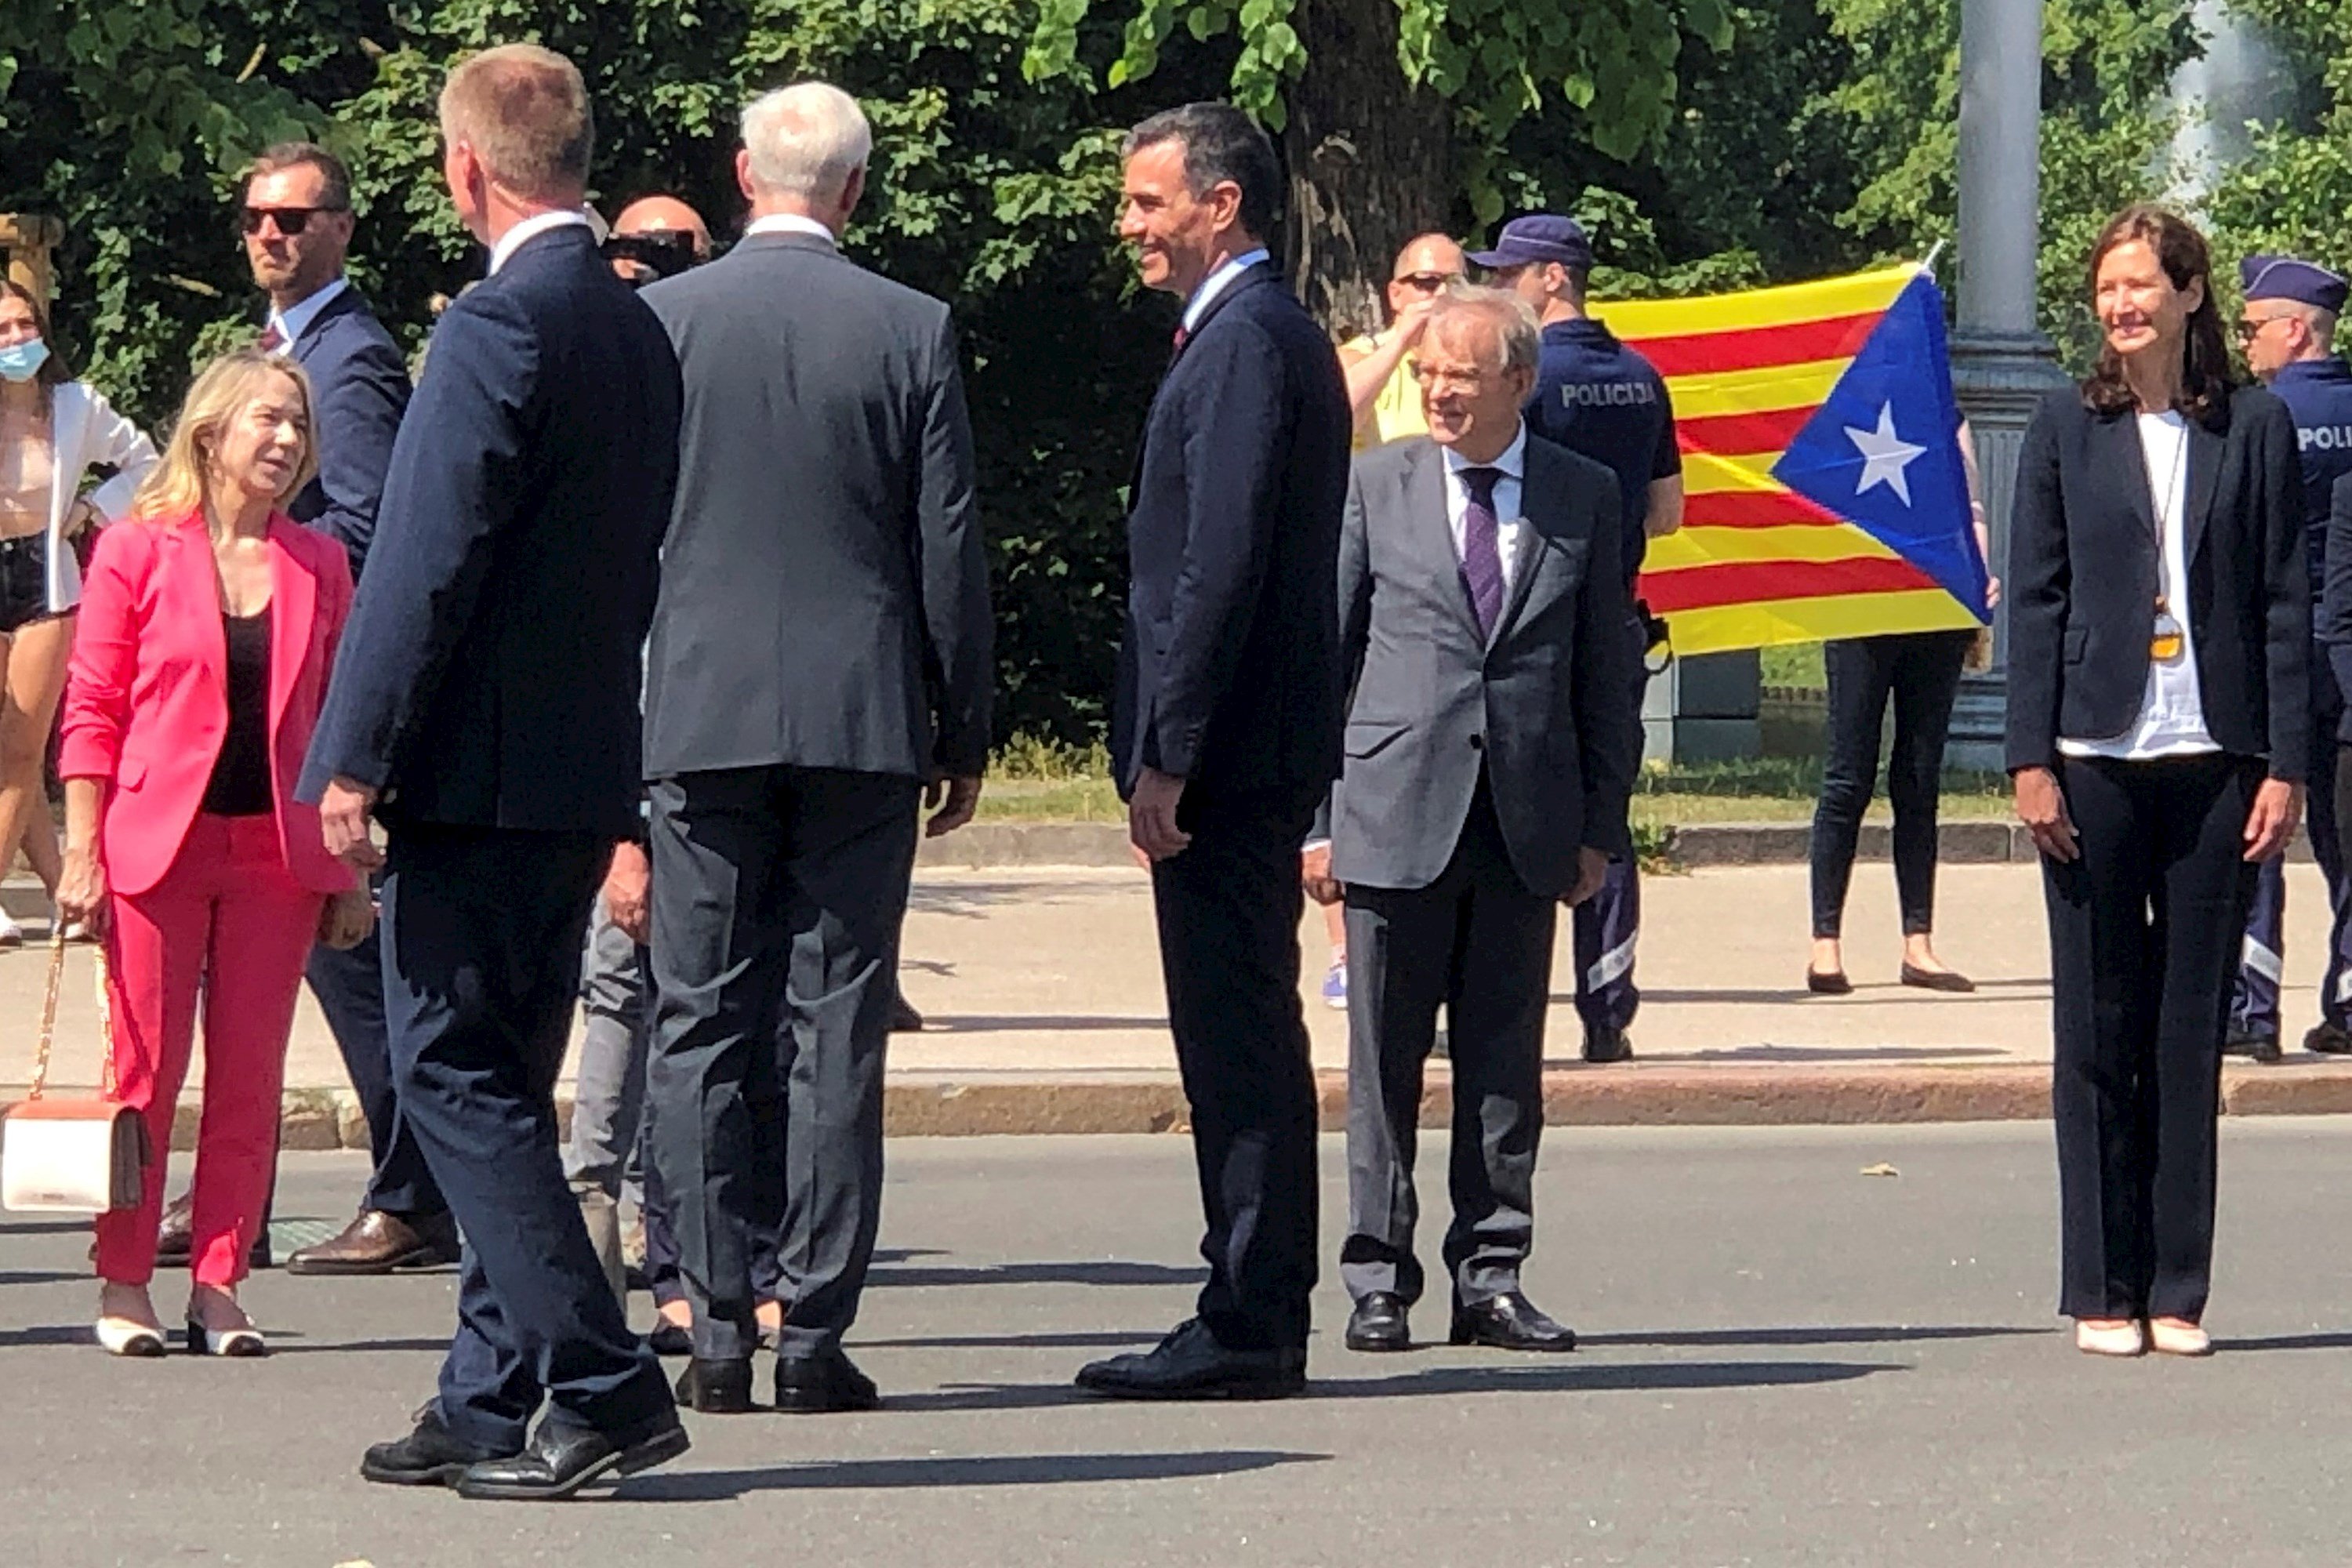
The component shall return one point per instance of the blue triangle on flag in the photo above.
(1883, 451)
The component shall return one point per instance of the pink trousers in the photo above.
(229, 923)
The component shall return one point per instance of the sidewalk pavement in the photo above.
(1041, 988)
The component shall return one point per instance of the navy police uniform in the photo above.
(1603, 400)
(2318, 394)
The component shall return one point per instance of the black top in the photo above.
(1603, 400)
(240, 784)
(2082, 579)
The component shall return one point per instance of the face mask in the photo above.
(22, 362)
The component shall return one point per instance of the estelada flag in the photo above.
(1826, 493)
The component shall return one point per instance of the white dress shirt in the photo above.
(1217, 282)
(292, 323)
(1508, 517)
(2172, 715)
(529, 229)
(790, 223)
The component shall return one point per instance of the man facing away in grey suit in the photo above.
(1491, 745)
(820, 654)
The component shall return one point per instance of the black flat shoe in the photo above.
(1379, 1323)
(2252, 1044)
(1606, 1044)
(431, 1456)
(670, 1339)
(825, 1383)
(1833, 984)
(561, 1459)
(1510, 1322)
(1190, 1364)
(1944, 980)
(716, 1387)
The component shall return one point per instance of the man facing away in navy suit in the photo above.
(485, 701)
(1227, 726)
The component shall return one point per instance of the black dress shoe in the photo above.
(823, 1384)
(669, 1340)
(1378, 1323)
(2328, 1039)
(2251, 1043)
(716, 1387)
(1833, 984)
(1603, 1043)
(1945, 980)
(1510, 1322)
(429, 1457)
(562, 1459)
(1190, 1364)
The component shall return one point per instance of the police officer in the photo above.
(1596, 396)
(2287, 329)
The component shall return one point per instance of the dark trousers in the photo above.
(2262, 966)
(1603, 932)
(349, 986)
(778, 893)
(1919, 672)
(1228, 909)
(1478, 941)
(2143, 939)
(482, 930)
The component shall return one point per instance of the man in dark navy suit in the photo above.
(1227, 726)
(485, 700)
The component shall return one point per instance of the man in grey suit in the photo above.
(1490, 749)
(821, 657)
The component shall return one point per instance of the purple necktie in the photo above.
(1482, 547)
(272, 340)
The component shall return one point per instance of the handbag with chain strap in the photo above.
(71, 1154)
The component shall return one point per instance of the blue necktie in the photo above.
(1482, 547)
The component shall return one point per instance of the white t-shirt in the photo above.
(2172, 715)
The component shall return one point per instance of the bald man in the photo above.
(1381, 392)
(657, 238)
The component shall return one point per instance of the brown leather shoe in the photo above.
(379, 1243)
(176, 1238)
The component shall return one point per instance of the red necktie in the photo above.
(272, 340)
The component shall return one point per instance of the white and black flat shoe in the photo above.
(133, 1341)
(242, 1343)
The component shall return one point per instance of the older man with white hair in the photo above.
(820, 660)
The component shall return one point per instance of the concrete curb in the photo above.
(1638, 1095)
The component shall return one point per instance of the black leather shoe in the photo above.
(823, 1384)
(669, 1340)
(1190, 1364)
(2329, 1041)
(1603, 1043)
(1510, 1322)
(716, 1387)
(1378, 1323)
(561, 1459)
(2251, 1043)
(1948, 981)
(429, 1457)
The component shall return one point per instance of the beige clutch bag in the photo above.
(71, 1155)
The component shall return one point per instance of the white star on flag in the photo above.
(1885, 455)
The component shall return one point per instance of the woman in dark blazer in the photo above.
(2159, 636)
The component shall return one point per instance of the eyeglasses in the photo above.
(2248, 332)
(290, 221)
(1427, 282)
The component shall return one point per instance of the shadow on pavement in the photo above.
(1085, 1341)
(1859, 1335)
(1596, 1377)
(990, 1470)
(2340, 1338)
(1040, 1274)
(1040, 1024)
(38, 1276)
(45, 1226)
(1800, 1055)
(1797, 995)
(360, 1347)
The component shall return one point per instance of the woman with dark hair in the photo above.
(2159, 636)
(53, 431)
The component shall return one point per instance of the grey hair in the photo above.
(1511, 318)
(806, 139)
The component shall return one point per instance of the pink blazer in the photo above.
(146, 703)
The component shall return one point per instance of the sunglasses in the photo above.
(2247, 331)
(1427, 282)
(290, 221)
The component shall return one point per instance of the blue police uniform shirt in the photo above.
(1597, 397)
(2319, 394)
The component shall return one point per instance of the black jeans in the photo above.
(2143, 938)
(1921, 671)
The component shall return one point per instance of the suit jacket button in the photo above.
(1477, 742)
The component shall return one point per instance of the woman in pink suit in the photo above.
(208, 625)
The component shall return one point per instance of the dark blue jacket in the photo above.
(361, 386)
(1229, 672)
(491, 672)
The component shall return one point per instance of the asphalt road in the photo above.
(1787, 1361)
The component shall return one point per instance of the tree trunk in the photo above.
(1370, 161)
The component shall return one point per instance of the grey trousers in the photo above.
(778, 893)
(608, 1106)
(1477, 941)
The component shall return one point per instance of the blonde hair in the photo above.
(177, 485)
(524, 111)
(806, 140)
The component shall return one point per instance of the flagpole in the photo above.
(2001, 362)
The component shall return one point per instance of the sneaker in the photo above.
(11, 934)
(1335, 986)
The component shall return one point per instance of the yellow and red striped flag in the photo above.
(1820, 460)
